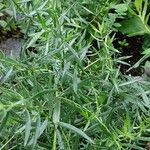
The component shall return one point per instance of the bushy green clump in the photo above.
(66, 90)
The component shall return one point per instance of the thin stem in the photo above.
(55, 138)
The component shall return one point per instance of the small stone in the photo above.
(12, 47)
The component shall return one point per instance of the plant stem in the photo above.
(55, 138)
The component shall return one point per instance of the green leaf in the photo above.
(1, 106)
(1, 5)
(35, 37)
(37, 131)
(75, 81)
(43, 127)
(56, 112)
(1, 14)
(144, 10)
(133, 146)
(145, 139)
(1, 54)
(41, 20)
(138, 5)
(127, 125)
(147, 68)
(32, 13)
(3, 120)
(134, 26)
(146, 51)
(145, 97)
(7, 75)
(27, 127)
(147, 18)
(76, 130)
(14, 9)
(60, 140)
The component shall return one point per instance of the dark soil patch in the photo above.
(129, 46)
(13, 33)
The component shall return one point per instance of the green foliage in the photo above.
(137, 24)
(69, 94)
(7, 16)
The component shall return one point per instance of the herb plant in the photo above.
(69, 93)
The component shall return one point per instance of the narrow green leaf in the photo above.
(56, 112)
(75, 81)
(144, 10)
(47, 45)
(43, 127)
(145, 98)
(1, 54)
(84, 51)
(7, 75)
(76, 130)
(14, 9)
(146, 51)
(4, 119)
(129, 82)
(133, 146)
(145, 139)
(37, 131)
(147, 18)
(41, 20)
(1, 5)
(66, 68)
(27, 128)
(32, 13)
(139, 62)
(60, 141)
(86, 9)
(35, 37)
(138, 5)
(41, 93)
(1, 107)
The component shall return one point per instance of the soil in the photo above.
(133, 48)
(12, 41)
(13, 33)
(148, 146)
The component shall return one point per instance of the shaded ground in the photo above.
(11, 42)
(129, 46)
